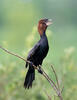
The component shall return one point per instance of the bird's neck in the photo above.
(43, 35)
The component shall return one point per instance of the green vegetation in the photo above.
(18, 33)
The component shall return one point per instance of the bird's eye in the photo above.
(43, 23)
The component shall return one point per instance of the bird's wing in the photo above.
(33, 52)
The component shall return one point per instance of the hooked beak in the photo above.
(49, 22)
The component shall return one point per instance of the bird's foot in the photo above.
(31, 63)
(39, 70)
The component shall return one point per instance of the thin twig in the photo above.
(49, 78)
(59, 95)
(12, 53)
(52, 85)
(55, 76)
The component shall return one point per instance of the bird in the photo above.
(37, 54)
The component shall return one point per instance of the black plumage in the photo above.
(36, 56)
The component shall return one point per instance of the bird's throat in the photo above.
(43, 35)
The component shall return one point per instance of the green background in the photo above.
(18, 33)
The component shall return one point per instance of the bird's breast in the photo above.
(44, 49)
(41, 53)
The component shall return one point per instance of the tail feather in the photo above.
(29, 78)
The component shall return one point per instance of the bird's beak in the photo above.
(49, 22)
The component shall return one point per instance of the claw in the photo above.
(40, 71)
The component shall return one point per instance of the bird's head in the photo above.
(43, 24)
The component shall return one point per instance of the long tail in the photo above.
(30, 76)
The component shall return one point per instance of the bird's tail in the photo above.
(30, 76)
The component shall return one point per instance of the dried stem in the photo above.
(55, 76)
(60, 91)
(49, 79)
(14, 54)
(57, 90)
(52, 85)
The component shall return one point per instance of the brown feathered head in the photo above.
(43, 24)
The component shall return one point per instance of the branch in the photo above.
(14, 54)
(55, 76)
(49, 79)
(58, 92)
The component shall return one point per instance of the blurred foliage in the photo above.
(18, 33)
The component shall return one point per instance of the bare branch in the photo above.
(12, 53)
(50, 79)
(55, 76)
(59, 95)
